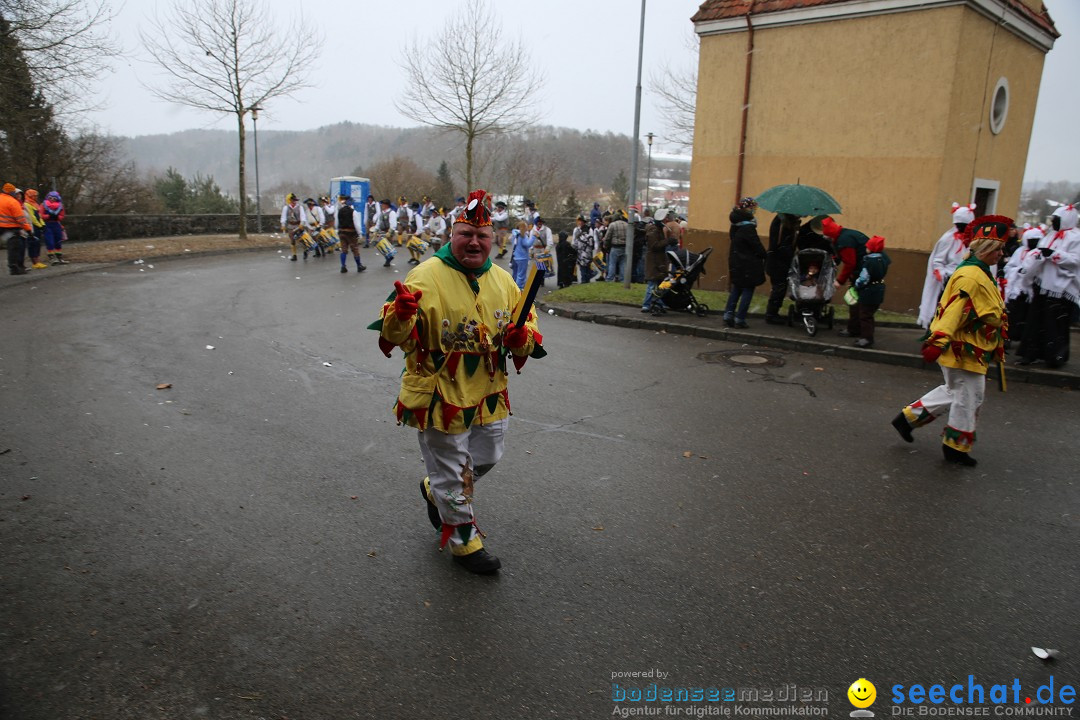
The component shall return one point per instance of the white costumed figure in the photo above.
(946, 255)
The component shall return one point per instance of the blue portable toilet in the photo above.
(357, 188)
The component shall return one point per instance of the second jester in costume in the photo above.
(452, 318)
(968, 330)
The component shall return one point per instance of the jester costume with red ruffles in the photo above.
(454, 388)
(970, 327)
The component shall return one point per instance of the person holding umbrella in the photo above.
(790, 202)
(782, 233)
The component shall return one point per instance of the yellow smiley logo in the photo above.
(862, 693)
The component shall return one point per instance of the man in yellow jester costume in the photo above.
(969, 330)
(452, 318)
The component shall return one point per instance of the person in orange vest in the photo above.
(14, 226)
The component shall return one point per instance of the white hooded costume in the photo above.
(948, 252)
(1058, 263)
(1018, 275)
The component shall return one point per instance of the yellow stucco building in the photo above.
(897, 107)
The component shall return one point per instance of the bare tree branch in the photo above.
(66, 45)
(225, 56)
(676, 89)
(468, 81)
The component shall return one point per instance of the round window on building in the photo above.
(999, 106)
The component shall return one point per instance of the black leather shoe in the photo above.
(953, 455)
(432, 511)
(480, 562)
(775, 320)
(903, 427)
(344, 269)
(730, 322)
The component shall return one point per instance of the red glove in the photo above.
(406, 303)
(937, 275)
(930, 353)
(514, 336)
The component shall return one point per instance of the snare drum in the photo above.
(545, 262)
(385, 248)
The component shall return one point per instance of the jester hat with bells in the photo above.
(476, 212)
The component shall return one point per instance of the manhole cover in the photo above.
(743, 358)
(748, 359)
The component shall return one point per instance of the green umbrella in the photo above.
(798, 200)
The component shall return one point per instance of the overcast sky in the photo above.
(585, 49)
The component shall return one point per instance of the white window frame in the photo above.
(987, 184)
(1002, 84)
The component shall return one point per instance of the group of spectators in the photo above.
(861, 260)
(26, 225)
(595, 249)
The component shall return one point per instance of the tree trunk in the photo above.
(468, 163)
(243, 185)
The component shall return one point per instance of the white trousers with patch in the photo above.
(960, 397)
(448, 458)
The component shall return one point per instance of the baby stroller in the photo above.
(810, 286)
(684, 267)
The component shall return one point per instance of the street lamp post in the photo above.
(258, 205)
(629, 271)
(648, 171)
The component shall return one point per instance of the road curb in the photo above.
(883, 357)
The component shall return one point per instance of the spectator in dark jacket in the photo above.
(746, 262)
(656, 263)
(782, 234)
(566, 257)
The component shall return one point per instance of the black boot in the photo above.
(952, 455)
(480, 562)
(432, 511)
(903, 427)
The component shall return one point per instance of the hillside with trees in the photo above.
(544, 163)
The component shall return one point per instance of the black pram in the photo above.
(684, 268)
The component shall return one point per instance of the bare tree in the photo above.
(676, 89)
(399, 176)
(226, 56)
(468, 80)
(65, 44)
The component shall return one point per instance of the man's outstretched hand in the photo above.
(406, 303)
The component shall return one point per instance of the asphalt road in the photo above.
(251, 542)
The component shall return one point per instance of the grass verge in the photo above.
(615, 293)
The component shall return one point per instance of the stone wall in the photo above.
(122, 227)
